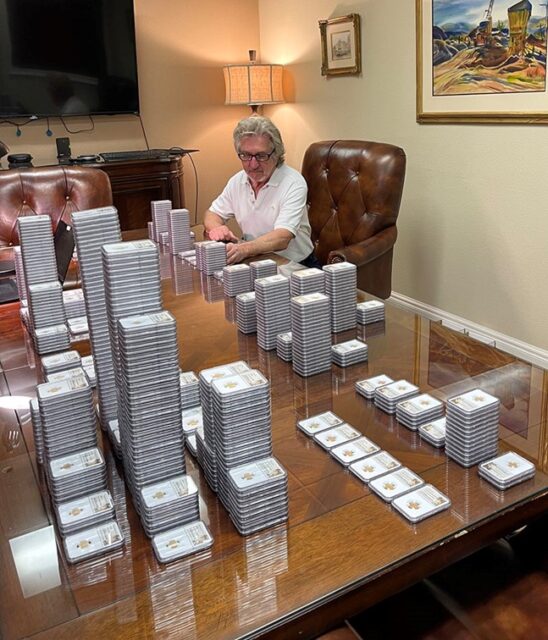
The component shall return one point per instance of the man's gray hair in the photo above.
(260, 126)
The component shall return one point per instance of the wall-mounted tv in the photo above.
(67, 57)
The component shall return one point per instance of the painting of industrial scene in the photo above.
(488, 46)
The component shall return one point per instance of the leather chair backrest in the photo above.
(354, 191)
(57, 191)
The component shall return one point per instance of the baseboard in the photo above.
(510, 345)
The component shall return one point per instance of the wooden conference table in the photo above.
(342, 549)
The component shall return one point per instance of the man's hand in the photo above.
(222, 234)
(237, 252)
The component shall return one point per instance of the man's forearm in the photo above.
(212, 220)
(276, 240)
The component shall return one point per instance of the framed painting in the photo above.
(341, 51)
(481, 61)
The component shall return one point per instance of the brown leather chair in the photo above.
(57, 191)
(354, 195)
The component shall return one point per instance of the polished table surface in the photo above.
(342, 549)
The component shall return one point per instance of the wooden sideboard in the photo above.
(136, 182)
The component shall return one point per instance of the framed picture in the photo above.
(481, 61)
(341, 52)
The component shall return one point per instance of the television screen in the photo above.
(67, 57)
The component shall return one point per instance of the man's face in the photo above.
(258, 172)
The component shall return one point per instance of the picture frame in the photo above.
(496, 101)
(341, 45)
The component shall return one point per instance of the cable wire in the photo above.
(196, 188)
(144, 132)
(92, 128)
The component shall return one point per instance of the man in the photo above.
(267, 199)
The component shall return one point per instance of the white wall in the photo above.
(473, 226)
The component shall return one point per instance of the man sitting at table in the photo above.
(267, 199)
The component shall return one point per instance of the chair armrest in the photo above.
(366, 251)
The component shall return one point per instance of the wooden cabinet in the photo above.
(136, 182)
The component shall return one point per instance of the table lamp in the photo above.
(253, 83)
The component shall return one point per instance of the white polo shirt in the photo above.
(280, 204)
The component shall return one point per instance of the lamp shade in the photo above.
(253, 84)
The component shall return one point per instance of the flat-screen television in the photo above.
(67, 57)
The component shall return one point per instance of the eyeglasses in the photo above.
(260, 157)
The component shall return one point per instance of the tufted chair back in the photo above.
(354, 195)
(57, 191)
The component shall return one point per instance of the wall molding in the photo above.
(523, 350)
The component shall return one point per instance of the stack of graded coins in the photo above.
(169, 503)
(340, 286)
(37, 430)
(59, 376)
(213, 257)
(67, 415)
(87, 511)
(189, 257)
(284, 346)
(387, 396)
(20, 275)
(472, 427)
(37, 249)
(78, 327)
(46, 304)
(73, 300)
(75, 475)
(205, 444)
(311, 334)
(273, 309)
(257, 494)
(199, 248)
(89, 368)
(306, 281)
(92, 229)
(366, 388)
(51, 339)
(190, 389)
(42, 284)
(369, 311)
(150, 229)
(179, 231)
(242, 423)
(419, 410)
(193, 420)
(131, 272)
(262, 269)
(113, 431)
(92, 542)
(150, 401)
(246, 312)
(348, 353)
(60, 362)
(506, 470)
(236, 279)
(433, 432)
(159, 210)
